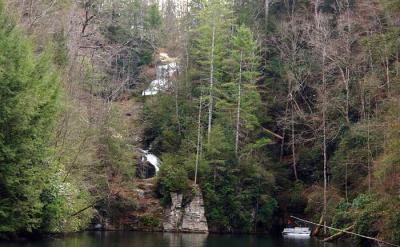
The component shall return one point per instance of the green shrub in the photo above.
(267, 209)
(367, 210)
(393, 227)
(172, 177)
(342, 217)
(297, 202)
(148, 220)
(62, 200)
(364, 223)
(362, 201)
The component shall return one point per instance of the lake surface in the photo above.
(144, 239)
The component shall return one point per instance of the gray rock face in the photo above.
(174, 214)
(194, 219)
(190, 218)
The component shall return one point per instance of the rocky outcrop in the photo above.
(188, 218)
(147, 214)
(174, 214)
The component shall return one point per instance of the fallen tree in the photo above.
(339, 234)
(343, 231)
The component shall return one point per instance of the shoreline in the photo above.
(34, 237)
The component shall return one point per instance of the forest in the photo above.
(276, 108)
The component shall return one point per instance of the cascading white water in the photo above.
(151, 158)
(164, 72)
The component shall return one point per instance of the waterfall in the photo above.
(151, 158)
(165, 70)
(164, 73)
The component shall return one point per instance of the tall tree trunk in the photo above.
(347, 95)
(362, 98)
(198, 147)
(210, 106)
(293, 145)
(324, 104)
(266, 9)
(238, 106)
(346, 77)
(387, 74)
(348, 55)
(284, 127)
(324, 133)
(397, 63)
(177, 106)
(345, 73)
(345, 183)
(369, 153)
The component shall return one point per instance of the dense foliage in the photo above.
(278, 108)
(271, 105)
(237, 187)
(34, 195)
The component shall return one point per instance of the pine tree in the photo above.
(209, 48)
(28, 103)
(241, 98)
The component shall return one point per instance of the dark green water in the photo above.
(143, 239)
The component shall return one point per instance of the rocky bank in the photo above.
(149, 215)
(186, 218)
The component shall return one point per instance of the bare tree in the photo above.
(321, 43)
(292, 34)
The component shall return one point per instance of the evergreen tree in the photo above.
(209, 47)
(28, 104)
(241, 98)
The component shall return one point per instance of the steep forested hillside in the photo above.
(279, 108)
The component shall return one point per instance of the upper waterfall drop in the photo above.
(165, 70)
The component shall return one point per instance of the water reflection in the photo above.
(143, 239)
(303, 242)
(185, 240)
